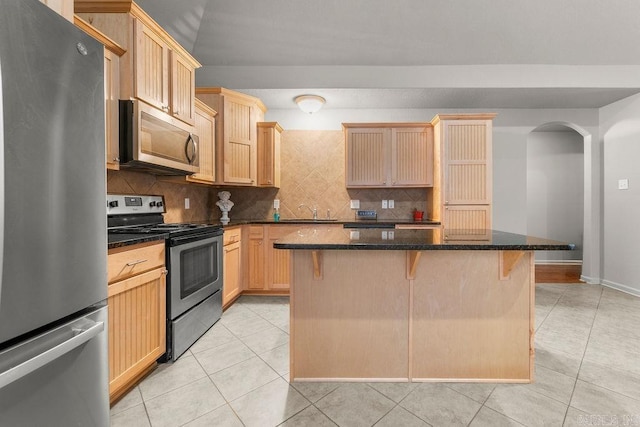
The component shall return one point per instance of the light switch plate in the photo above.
(384, 204)
(276, 203)
(186, 203)
(623, 184)
(392, 204)
(355, 204)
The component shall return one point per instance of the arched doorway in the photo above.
(556, 197)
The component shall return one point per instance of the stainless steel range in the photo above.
(194, 261)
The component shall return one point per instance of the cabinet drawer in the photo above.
(256, 232)
(232, 235)
(129, 261)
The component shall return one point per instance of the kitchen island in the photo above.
(405, 305)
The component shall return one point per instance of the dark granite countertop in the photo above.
(310, 238)
(120, 240)
(347, 223)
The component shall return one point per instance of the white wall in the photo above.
(620, 130)
(511, 130)
(555, 190)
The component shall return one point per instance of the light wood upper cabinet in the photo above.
(63, 7)
(154, 68)
(111, 108)
(366, 157)
(467, 162)
(112, 54)
(269, 154)
(205, 130)
(462, 194)
(183, 84)
(236, 134)
(151, 72)
(389, 155)
(412, 156)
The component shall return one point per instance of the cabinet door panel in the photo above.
(183, 89)
(111, 108)
(467, 163)
(239, 146)
(151, 68)
(471, 222)
(232, 272)
(136, 326)
(205, 129)
(256, 265)
(412, 158)
(367, 157)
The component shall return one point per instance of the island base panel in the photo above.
(457, 319)
(467, 322)
(352, 324)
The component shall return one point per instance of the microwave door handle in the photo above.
(194, 152)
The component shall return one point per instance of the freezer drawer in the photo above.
(58, 377)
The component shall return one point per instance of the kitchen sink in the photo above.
(309, 220)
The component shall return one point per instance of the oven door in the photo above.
(195, 271)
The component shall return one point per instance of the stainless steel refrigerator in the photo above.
(53, 244)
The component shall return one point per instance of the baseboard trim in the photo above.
(622, 288)
(590, 280)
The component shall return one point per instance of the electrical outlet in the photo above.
(355, 204)
(276, 203)
(384, 204)
(384, 235)
(186, 203)
(623, 184)
(392, 204)
(391, 235)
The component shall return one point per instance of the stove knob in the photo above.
(152, 204)
(113, 204)
(159, 204)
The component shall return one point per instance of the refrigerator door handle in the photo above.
(79, 331)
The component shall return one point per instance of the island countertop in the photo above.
(312, 238)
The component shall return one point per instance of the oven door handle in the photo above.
(175, 241)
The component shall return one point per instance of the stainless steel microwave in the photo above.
(153, 141)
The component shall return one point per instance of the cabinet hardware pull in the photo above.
(165, 108)
(132, 263)
(165, 271)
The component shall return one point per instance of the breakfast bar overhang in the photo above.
(406, 305)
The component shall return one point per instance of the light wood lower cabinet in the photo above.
(137, 313)
(269, 270)
(232, 260)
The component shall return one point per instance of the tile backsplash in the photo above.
(126, 182)
(313, 173)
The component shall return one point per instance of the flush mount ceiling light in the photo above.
(309, 103)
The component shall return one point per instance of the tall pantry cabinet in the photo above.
(461, 197)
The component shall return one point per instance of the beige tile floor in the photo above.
(587, 373)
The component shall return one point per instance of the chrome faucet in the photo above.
(314, 211)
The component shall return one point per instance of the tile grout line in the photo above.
(582, 358)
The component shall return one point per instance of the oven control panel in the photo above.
(122, 204)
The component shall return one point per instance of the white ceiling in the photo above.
(413, 53)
